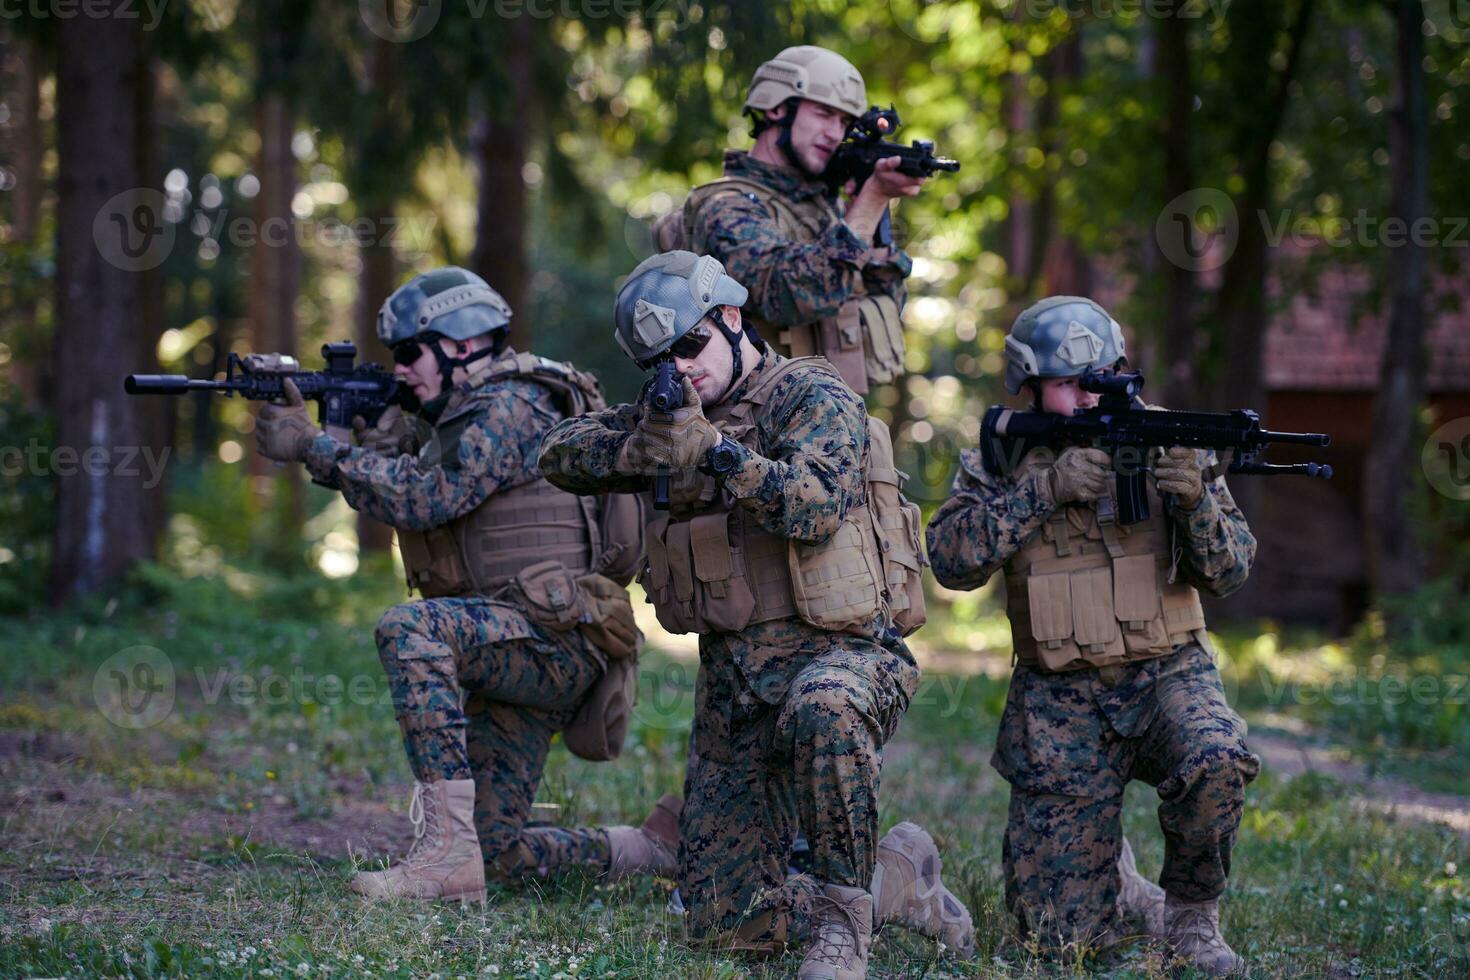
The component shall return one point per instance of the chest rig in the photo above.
(864, 340)
(712, 567)
(532, 522)
(1085, 591)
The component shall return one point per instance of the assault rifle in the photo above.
(1121, 426)
(343, 390)
(864, 146)
(664, 393)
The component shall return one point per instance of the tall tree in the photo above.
(1179, 334)
(103, 515)
(1395, 560)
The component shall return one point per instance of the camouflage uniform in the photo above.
(794, 282)
(790, 719)
(1070, 741)
(479, 689)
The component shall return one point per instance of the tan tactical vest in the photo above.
(864, 341)
(711, 567)
(1085, 591)
(531, 523)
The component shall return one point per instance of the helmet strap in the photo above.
(447, 364)
(783, 140)
(733, 338)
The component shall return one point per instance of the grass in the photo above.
(207, 845)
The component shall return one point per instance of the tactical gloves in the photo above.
(1178, 472)
(283, 431)
(392, 436)
(676, 440)
(1080, 475)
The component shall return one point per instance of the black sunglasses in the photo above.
(407, 352)
(689, 346)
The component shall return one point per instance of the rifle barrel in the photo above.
(163, 384)
(1297, 438)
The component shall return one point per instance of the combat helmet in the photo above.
(1059, 337)
(665, 297)
(446, 302)
(808, 72)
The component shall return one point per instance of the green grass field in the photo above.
(212, 843)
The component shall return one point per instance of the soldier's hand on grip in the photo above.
(392, 436)
(284, 430)
(1178, 472)
(679, 439)
(1080, 475)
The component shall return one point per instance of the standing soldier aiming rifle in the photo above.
(787, 547)
(1114, 677)
(819, 282)
(524, 629)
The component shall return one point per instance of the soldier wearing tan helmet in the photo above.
(817, 283)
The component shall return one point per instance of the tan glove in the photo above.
(392, 436)
(283, 430)
(1178, 472)
(1080, 475)
(677, 440)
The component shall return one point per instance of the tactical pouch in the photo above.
(607, 617)
(597, 731)
(667, 561)
(883, 343)
(841, 339)
(551, 596)
(836, 584)
(726, 602)
(431, 562)
(896, 522)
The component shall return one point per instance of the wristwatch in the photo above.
(722, 460)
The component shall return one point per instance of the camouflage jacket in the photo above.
(811, 279)
(987, 519)
(805, 476)
(491, 447)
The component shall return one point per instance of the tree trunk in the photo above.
(1395, 564)
(500, 140)
(377, 279)
(378, 272)
(275, 264)
(1066, 270)
(23, 147)
(1180, 347)
(101, 528)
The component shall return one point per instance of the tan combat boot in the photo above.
(907, 890)
(842, 928)
(1139, 900)
(652, 848)
(445, 860)
(1193, 928)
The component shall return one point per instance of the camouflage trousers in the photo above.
(1070, 742)
(805, 757)
(479, 691)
